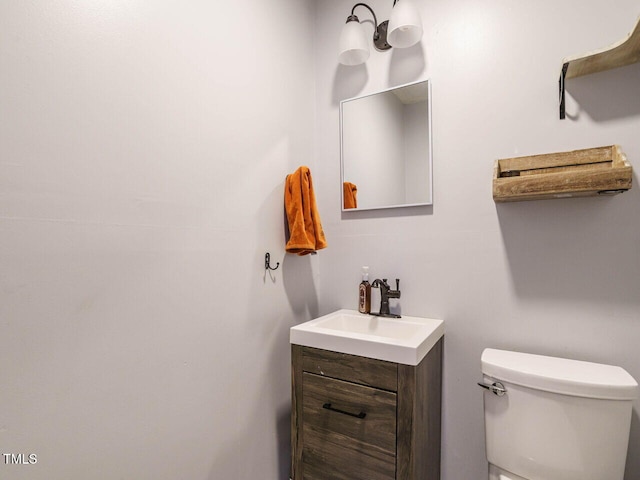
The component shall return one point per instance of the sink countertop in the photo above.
(405, 340)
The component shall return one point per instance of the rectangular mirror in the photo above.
(386, 148)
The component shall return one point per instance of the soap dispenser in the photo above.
(364, 302)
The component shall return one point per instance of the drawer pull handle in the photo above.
(357, 415)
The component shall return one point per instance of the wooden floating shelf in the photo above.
(580, 173)
(622, 53)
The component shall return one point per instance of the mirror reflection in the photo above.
(386, 148)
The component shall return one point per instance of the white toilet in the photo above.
(552, 418)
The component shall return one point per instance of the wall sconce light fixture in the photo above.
(403, 29)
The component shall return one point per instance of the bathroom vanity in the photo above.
(355, 417)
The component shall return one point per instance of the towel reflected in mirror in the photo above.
(350, 192)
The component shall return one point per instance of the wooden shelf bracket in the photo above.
(563, 75)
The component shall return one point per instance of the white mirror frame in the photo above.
(428, 154)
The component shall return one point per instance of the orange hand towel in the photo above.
(305, 230)
(349, 194)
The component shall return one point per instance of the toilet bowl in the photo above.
(550, 418)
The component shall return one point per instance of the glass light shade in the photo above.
(405, 25)
(353, 46)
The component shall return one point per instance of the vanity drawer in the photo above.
(365, 371)
(342, 446)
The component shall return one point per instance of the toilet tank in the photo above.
(559, 419)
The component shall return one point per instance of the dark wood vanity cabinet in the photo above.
(357, 418)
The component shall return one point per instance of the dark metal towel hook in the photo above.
(267, 262)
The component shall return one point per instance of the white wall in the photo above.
(557, 277)
(143, 150)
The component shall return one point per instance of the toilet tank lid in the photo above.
(560, 375)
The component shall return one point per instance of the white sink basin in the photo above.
(404, 340)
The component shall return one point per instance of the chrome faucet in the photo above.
(385, 294)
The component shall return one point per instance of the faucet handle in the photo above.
(397, 284)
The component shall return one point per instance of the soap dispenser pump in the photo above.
(364, 293)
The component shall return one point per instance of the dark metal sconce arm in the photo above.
(379, 32)
(375, 19)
